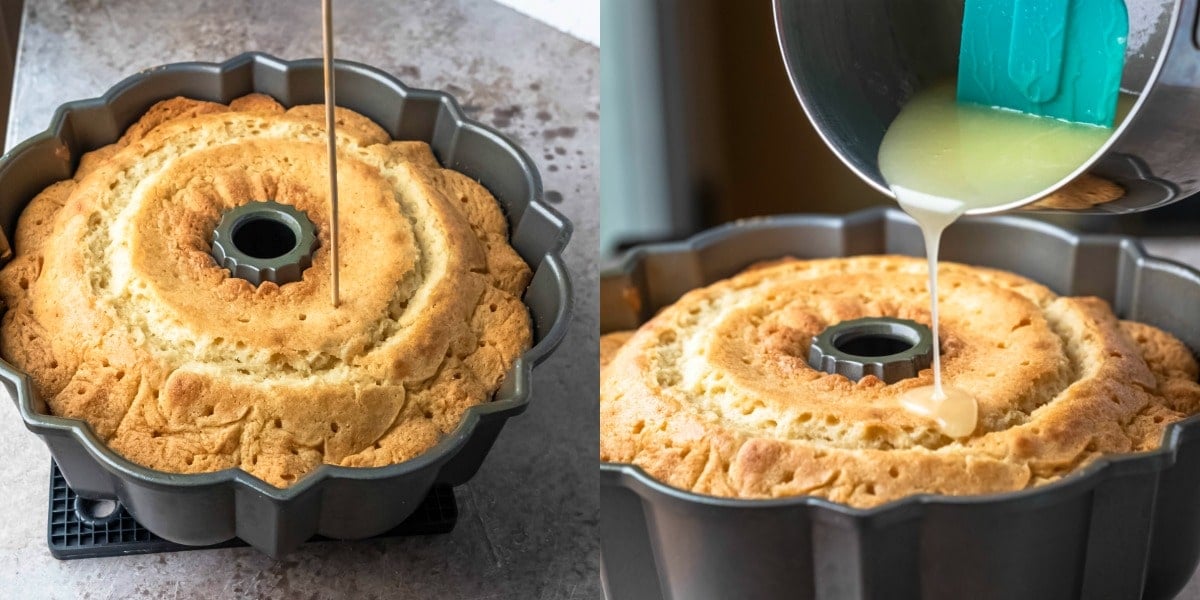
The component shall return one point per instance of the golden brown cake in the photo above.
(715, 395)
(1084, 191)
(119, 314)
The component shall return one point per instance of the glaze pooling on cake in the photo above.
(120, 316)
(714, 394)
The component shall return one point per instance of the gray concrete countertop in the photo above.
(527, 528)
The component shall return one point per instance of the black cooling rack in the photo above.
(81, 528)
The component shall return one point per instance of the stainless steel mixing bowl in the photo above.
(854, 64)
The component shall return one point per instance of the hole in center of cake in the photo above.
(264, 237)
(891, 349)
(264, 241)
(873, 345)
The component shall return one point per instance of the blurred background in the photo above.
(701, 126)
(10, 28)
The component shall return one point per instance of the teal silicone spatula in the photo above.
(1054, 58)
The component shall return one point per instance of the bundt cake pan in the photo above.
(337, 502)
(1126, 527)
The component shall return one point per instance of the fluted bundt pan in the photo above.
(338, 502)
(1124, 527)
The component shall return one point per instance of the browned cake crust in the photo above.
(714, 394)
(121, 317)
(1085, 191)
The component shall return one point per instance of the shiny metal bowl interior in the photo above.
(854, 65)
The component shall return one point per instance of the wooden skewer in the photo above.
(330, 122)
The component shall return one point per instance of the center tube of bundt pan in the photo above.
(331, 133)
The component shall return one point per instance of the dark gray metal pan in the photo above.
(337, 502)
(1127, 527)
